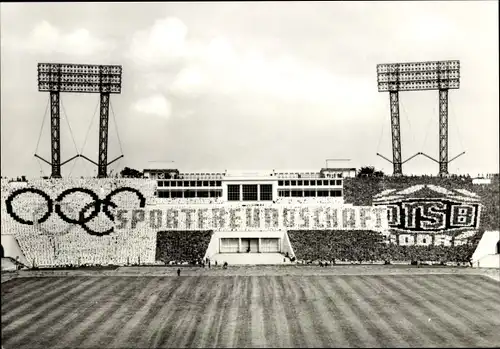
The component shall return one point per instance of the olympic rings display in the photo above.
(55, 205)
(51, 232)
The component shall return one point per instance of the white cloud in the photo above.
(188, 81)
(164, 42)
(217, 67)
(46, 38)
(430, 28)
(155, 105)
(220, 52)
(222, 70)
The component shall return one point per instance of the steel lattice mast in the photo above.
(103, 134)
(79, 78)
(396, 133)
(55, 132)
(443, 132)
(435, 75)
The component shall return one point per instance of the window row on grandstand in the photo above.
(249, 192)
(309, 193)
(180, 183)
(312, 182)
(179, 194)
(200, 175)
(298, 175)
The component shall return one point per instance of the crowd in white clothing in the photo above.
(56, 242)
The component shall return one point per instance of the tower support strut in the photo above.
(55, 135)
(396, 133)
(103, 135)
(443, 132)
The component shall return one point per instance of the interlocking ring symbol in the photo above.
(51, 232)
(97, 204)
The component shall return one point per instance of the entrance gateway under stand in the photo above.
(249, 245)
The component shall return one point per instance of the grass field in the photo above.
(251, 311)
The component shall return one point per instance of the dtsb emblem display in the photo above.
(442, 210)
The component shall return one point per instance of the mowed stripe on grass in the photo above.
(251, 311)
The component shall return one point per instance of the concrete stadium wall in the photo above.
(486, 254)
(213, 247)
(12, 249)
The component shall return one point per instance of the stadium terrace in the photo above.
(257, 217)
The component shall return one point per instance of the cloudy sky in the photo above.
(250, 86)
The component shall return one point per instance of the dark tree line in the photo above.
(128, 172)
(369, 171)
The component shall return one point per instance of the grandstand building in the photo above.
(246, 190)
(250, 186)
(246, 217)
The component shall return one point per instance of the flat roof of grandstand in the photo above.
(250, 171)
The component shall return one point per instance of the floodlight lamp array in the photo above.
(418, 76)
(54, 77)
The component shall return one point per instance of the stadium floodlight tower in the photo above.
(79, 78)
(432, 75)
